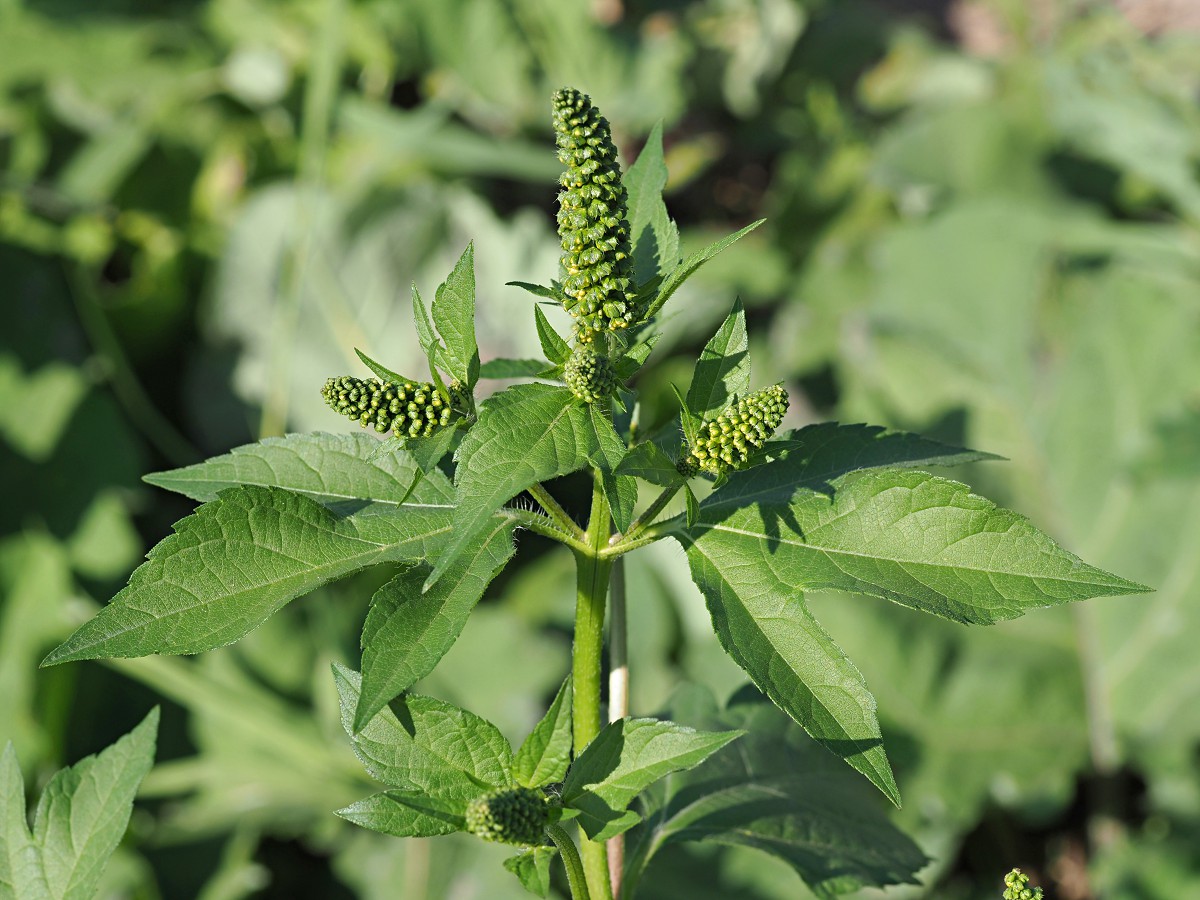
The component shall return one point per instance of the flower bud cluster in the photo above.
(408, 408)
(509, 816)
(726, 442)
(592, 220)
(1016, 887)
(589, 374)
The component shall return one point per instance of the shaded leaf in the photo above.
(648, 462)
(723, 368)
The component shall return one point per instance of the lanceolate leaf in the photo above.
(524, 435)
(723, 368)
(382, 372)
(556, 349)
(621, 490)
(432, 748)
(515, 368)
(424, 325)
(623, 760)
(684, 270)
(238, 560)
(408, 815)
(653, 235)
(408, 632)
(648, 462)
(544, 756)
(331, 468)
(454, 316)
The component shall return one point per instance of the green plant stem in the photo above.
(591, 580)
(642, 522)
(618, 694)
(544, 526)
(649, 535)
(546, 500)
(570, 858)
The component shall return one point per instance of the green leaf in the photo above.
(549, 293)
(768, 631)
(723, 369)
(425, 334)
(557, 350)
(635, 357)
(654, 237)
(685, 269)
(910, 537)
(382, 372)
(621, 490)
(424, 746)
(408, 815)
(427, 452)
(544, 756)
(648, 462)
(623, 760)
(516, 368)
(454, 316)
(408, 632)
(693, 506)
(532, 867)
(524, 435)
(241, 558)
(689, 422)
(780, 793)
(331, 468)
(80, 818)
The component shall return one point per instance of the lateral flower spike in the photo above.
(592, 220)
(726, 442)
(1016, 887)
(408, 409)
(509, 816)
(589, 374)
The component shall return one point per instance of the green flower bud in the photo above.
(1016, 885)
(510, 816)
(589, 374)
(408, 409)
(726, 442)
(592, 220)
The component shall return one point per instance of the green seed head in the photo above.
(726, 442)
(589, 374)
(408, 409)
(592, 220)
(516, 816)
(1016, 887)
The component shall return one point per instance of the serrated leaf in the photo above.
(239, 559)
(648, 462)
(425, 746)
(407, 632)
(654, 237)
(80, 818)
(408, 815)
(685, 269)
(454, 316)
(382, 372)
(693, 506)
(516, 368)
(545, 754)
(524, 435)
(620, 490)
(624, 759)
(538, 290)
(532, 867)
(427, 452)
(556, 349)
(330, 468)
(426, 336)
(687, 420)
(723, 368)
(635, 356)
(779, 793)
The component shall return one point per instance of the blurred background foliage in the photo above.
(982, 224)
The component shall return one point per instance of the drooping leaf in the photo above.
(654, 237)
(403, 814)
(544, 756)
(532, 867)
(454, 316)
(623, 760)
(648, 462)
(780, 793)
(723, 369)
(515, 368)
(239, 559)
(407, 632)
(425, 746)
(685, 269)
(557, 350)
(524, 435)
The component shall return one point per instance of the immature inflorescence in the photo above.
(592, 220)
(726, 442)
(1016, 887)
(589, 374)
(408, 408)
(509, 816)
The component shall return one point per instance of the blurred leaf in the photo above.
(532, 867)
(35, 409)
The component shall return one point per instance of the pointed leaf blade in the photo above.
(408, 815)
(723, 369)
(685, 269)
(544, 756)
(454, 316)
(556, 349)
(654, 237)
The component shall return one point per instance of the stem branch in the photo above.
(570, 858)
(546, 500)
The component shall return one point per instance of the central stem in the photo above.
(591, 581)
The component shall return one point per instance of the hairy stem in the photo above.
(570, 858)
(647, 518)
(544, 526)
(591, 580)
(546, 500)
(618, 694)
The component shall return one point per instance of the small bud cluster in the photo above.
(407, 408)
(1016, 887)
(589, 374)
(514, 816)
(592, 220)
(726, 442)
